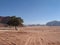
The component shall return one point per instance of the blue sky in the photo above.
(32, 11)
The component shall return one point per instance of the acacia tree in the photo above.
(15, 21)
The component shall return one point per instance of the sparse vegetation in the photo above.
(15, 21)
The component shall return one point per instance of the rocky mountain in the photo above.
(3, 21)
(53, 23)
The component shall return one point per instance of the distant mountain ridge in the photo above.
(53, 23)
(4, 20)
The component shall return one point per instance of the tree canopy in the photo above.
(15, 21)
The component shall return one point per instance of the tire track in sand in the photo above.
(29, 38)
(33, 40)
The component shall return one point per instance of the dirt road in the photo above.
(30, 37)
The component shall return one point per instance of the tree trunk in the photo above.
(16, 28)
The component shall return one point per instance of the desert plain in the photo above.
(34, 35)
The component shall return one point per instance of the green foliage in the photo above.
(15, 21)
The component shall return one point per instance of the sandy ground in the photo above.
(41, 35)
